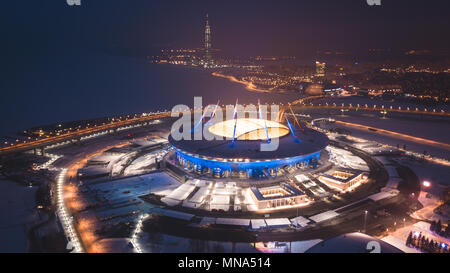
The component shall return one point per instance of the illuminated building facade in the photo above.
(277, 196)
(343, 179)
(320, 69)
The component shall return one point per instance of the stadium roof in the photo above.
(307, 141)
(352, 243)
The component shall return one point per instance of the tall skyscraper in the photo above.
(320, 69)
(207, 41)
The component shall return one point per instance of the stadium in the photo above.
(236, 150)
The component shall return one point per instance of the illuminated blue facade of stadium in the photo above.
(256, 168)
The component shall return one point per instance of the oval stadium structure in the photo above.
(237, 151)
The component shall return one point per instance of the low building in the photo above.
(343, 179)
(277, 196)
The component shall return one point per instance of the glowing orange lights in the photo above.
(399, 135)
(81, 132)
(249, 129)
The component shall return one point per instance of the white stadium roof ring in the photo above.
(249, 129)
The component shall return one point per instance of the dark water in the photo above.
(54, 89)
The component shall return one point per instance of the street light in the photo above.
(365, 220)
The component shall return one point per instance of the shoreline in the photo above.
(248, 85)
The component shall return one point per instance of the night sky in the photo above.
(245, 27)
(54, 67)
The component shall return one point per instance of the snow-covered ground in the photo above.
(17, 205)
(437, 130)
(393, 141)
(432, 128)
(435, 173)
(141, 164)
(346, 159)
(398, 237)
(135, 186)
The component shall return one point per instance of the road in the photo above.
(376, 109)
(79, 231)
(79, 133)
(384, 132)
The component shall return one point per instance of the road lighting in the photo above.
(365, 220)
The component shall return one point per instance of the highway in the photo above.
(298, 104)
(79, 133)
(405, 110)
(396, 135)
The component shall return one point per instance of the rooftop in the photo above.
(285, 191)
(307, 141)
(249, 129)
(351, 243)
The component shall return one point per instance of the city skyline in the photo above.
(291, 28)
